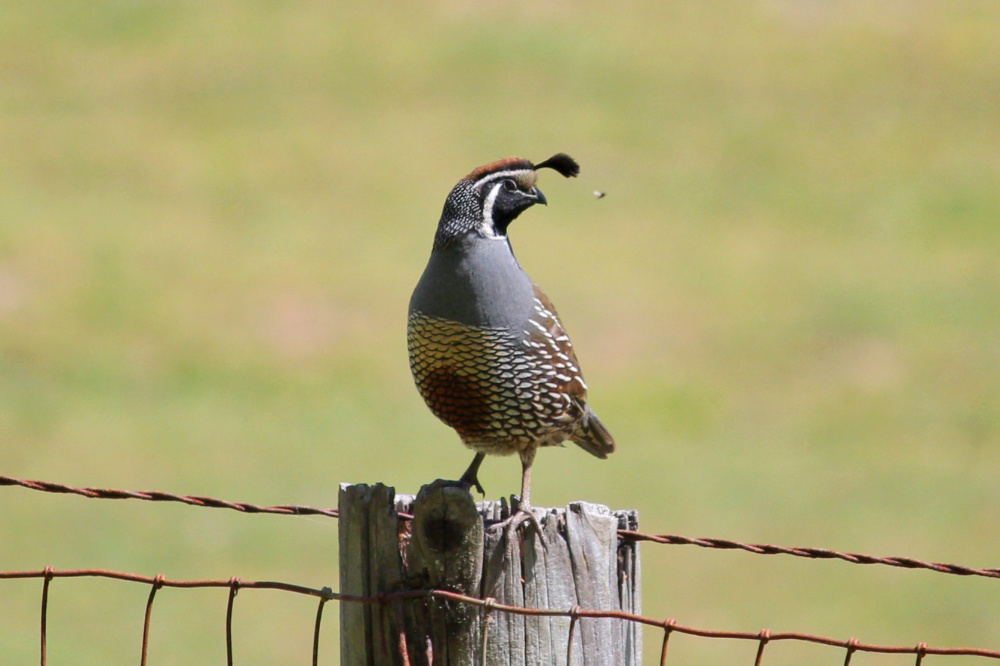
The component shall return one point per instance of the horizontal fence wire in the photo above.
(488, 605)
(812, 553)
(160, 496)
(666, 539)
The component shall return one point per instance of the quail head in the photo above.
(487, 350)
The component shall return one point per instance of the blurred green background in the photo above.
(787, 305)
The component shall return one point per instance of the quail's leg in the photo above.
(527, 458)
(525, 512)
(471, 477)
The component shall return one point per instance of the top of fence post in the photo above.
(457, 545)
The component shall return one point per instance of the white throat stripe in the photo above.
(487, 228)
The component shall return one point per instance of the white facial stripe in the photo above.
(513, 173)
(491, 198)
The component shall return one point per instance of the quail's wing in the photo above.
(554, 351)
(563, 379)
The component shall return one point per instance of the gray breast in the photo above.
(476, 282)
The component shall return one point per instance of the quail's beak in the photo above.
(539, 197)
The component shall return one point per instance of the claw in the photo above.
(523, 514)
(470, 479)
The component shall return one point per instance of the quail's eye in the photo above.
(509, 185)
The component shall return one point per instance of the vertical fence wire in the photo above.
(484, 622)
(234, 588)
(574, 616)
(765, 636)
(668, 628)
(157, 584)
(45, 616)
(327, 593)
(852, 647)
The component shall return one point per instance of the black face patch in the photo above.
(475, 203)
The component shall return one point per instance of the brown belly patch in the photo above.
(458, 400)
(487, 385)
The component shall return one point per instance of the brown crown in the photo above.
(506, 164)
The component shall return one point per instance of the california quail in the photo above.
(487, 350)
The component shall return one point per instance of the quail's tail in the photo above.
(593, 437)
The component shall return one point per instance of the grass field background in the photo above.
(787, 306)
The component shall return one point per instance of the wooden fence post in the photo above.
(581, 563)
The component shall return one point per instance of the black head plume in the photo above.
(562, 163)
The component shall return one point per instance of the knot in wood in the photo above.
(443, 534)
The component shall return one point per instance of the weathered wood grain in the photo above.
(355, 619)
(453, 543)
(446, 551)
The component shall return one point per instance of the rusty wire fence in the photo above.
(665, 627)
